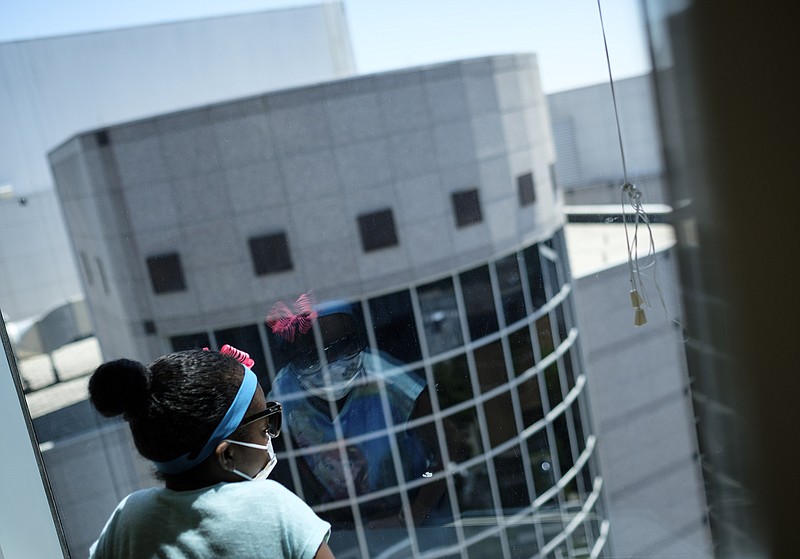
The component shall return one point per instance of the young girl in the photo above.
(202, 418)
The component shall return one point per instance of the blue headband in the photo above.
(228, 425)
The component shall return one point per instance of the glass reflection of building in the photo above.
(424, 196)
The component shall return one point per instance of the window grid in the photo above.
(572, 401)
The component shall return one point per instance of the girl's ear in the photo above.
(225, 454)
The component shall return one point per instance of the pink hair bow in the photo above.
(286, 322)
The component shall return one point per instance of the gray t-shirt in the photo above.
(245, 519)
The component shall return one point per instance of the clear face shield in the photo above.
(334, 380)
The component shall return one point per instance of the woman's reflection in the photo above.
(346, 390)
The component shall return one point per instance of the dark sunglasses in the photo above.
(343, 348)
(274, 414)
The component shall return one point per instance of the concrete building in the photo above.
(423, 196)
(589, 166)
(53, 88)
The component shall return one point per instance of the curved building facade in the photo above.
(426, 199)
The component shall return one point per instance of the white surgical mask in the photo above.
(335, 381)
(266, 470)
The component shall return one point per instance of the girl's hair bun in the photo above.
(119, 387)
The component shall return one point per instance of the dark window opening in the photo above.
(525, 189)
(166, 273)
(377, 230)
(467, 207)
(270, 254)
(149, 327)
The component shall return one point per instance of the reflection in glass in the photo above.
(569, 371)
(437, 302)
(473, 498)
(513, 490)
(563, 447)
(190, 341)
(530, 401)
(476, 287)
(508, 278)
(545, 335)
(553, 384)
(519, 343)
(541, 461)
(533, 268)
(453, 384)
(395, 327)
(561, 323)
(491, 366)
(248, 339)
(465, 438)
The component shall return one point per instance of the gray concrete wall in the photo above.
(56, 87)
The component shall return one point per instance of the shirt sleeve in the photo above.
(303, 530)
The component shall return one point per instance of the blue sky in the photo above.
(388, 34)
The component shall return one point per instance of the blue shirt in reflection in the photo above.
(370, 460)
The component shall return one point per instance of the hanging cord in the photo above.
(631, 195)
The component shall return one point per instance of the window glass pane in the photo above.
(553, 382)
(490, 365)
(467, 208)
(247, 339)
(508, 278)
(190, 341)
(453, 383)
(439, 309)
(565, 459)
(521, 350)
(514, 489)
(270, 254)
(473, 501)
(166, 273)
(535, 278)
(476, 287)
(546, 345)
(541, 461)
(561, 322)
(395, 327)
(377, 230)
(530, 401)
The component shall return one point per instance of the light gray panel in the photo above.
(413, 154)
(500, 216)
(496, 180)
(447, 99)
(404, 108)
(141, 162)
(151, 207)
(224, 287)
(323, 221)
(189, 145)
(515, 131)
(390, 262)
(508, 91)
(428, 241)
(211, 243)
(362, 166)
(255, 187)
(353, 118)
(421, 198)
(330, 265)
(481, 93)
(487, 130)
(201, 197)
(244, 140)
(454, 144)
(300, 129)
(309, 177)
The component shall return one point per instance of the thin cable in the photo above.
(613, 94)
